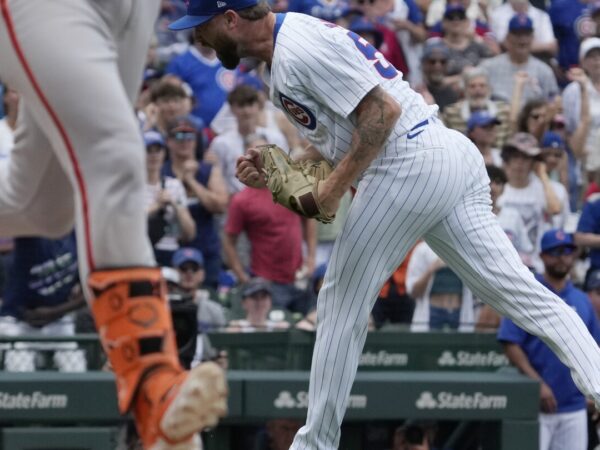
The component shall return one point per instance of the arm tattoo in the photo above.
(374, 124)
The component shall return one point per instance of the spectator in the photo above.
(563, 418)
(166, 202)
(476, 14)
(529, 190)
(581, 101)
(478, 98)
(406, 19)
(544, 42)
(511, 222)
(481, 129)
(187, 285)
(43, 289)
(574, 166)
(588, 231)
(275, 235)
(205, 188)
(592, 289)
(463, 49)
(227, 147)
(433, 63)
(572, 22)
(414, 436)
(554, 154)
(441, 299)
(257, 301)
(168, 101)
(502, 69)
(189, 264)
(593, 12)
(534, 118)
(210, 81)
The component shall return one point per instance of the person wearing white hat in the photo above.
(581, 103)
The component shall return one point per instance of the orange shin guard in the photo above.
(135, 326)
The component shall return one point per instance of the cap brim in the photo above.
(186, 22)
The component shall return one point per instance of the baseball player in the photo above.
(78, 156)
(414, 178)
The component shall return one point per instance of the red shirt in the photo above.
(274, 232)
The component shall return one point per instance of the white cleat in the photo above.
(200, 402)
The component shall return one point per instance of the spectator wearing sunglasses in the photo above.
(562, 418)
(205, 188)
(433, 64)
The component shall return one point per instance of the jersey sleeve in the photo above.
(509, 332)
(337, 73)
(587, 221)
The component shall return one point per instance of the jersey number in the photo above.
(385, 69)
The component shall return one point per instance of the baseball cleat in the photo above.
(199, 403)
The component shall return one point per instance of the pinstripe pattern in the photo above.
(433, 185)
(330, 79)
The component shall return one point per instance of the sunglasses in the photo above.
(441, 62)
(455, 17)
(184, 136)
(560, 251)
(154, 148)
(189, 267)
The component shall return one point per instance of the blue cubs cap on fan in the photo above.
(187, 254)
(152, 138)
(556, 238)
(481, 119)
(520, 22)
(200, 11)
(552, 140)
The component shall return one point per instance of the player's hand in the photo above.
(328, 200)
(249, 169)
(437, 265)
(547, 400)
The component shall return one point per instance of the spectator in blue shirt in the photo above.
(588, 230)
(42, 289)
(563, 418)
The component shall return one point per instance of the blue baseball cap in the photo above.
(520, 22)
(364, 25)
(455, 8)
(200, 11)
(187, 254)
(552, 140)
(556, 238)
(481, 119)
(153, 138)
(435, 46)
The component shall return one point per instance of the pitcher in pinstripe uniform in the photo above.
(414, 178)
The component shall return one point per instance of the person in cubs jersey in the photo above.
(414, 178)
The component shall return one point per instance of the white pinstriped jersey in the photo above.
(319, 74)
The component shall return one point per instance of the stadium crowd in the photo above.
(520, 78)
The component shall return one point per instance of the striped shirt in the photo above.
(320, 72)
(456, 115)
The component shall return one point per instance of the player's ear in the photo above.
(231, 18)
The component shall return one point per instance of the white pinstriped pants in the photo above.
(434, 186)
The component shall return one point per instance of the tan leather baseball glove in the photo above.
(294, 184)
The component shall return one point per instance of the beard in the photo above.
(227, 53)
(558, 271)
